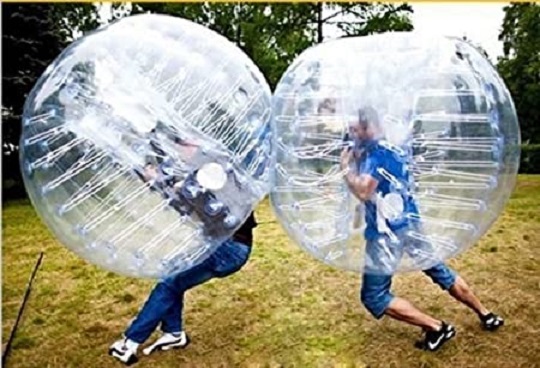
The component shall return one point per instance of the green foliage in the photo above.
(32, 41)
(530, 159)
(33, 36)
(370, 18)
(520, 66)
(73, 19)
(273, 34)
(270, 34)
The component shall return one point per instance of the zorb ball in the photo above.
(146, 144)
(429, 132)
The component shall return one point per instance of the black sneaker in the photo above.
(491, 321)
(435, 339)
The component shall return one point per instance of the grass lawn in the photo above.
(283, 310)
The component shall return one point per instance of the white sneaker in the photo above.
(125, 351)
(168, 341)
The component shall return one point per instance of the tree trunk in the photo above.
(238, 36)
(320, 35)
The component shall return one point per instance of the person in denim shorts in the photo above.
(376, 174)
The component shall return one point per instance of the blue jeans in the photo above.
(166, 301)
(375, 292)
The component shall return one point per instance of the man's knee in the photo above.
(442, 275)
(375, 294)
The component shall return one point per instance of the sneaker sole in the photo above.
(493, 327)
(173, 346)
(116, 354)
(167, 347)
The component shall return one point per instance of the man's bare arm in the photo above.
(362, 186)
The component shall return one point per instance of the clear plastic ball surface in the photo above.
(393, 152)
(146, 144)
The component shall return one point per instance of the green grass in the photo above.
(283, 310)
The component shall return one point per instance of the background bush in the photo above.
(530, 159)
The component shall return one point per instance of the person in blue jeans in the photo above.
(165, 304)
(380, 178)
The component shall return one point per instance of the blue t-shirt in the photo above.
(389, 166)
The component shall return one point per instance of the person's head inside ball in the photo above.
(365, 129)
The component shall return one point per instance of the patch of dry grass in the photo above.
(283, 310)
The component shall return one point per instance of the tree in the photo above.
(362, 19)
(270, 34)
(295, 27)
(273, 34)
(520, 65)
(32, 36)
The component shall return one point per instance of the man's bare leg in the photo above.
(437, 332)
(464, 294)
(402, 310)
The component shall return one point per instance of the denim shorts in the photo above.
(377, 278)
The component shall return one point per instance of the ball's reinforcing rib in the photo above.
(135, 226)
(106, 209)
(94, 185)
(52, 156)
(40, 118)
(78, 167)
